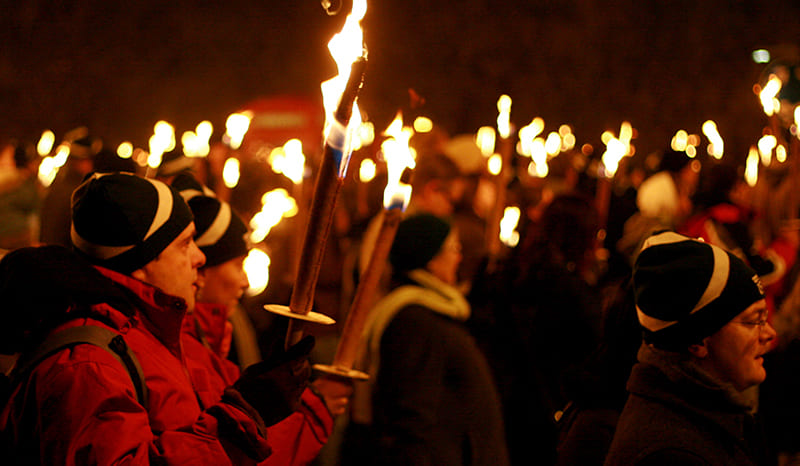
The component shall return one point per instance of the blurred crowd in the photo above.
(548, 325)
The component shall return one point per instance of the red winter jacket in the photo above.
(296, 440)
(79, 405)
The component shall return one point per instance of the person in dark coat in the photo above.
(704, 321)
(433, 397)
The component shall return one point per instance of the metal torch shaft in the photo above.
(320, 216)
(347, 349)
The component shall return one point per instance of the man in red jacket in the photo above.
(298, 438)
(79, 405)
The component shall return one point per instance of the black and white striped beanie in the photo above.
(220, 231)
(686, 289)
(122, 221)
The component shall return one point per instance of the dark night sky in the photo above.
(663, 66)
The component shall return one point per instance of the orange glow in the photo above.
(256, 267)
(423, 125)
(230, 172)
(46, 142)
(345, 48)
(236, 127)
(751, 167)
(504, 116)
(162, 140)
(398, 156)
(125, 150)
(495, 164)
(367, 170)
(295, 160)
(716, 146)
(275, 206)
(508, 225)
(485, 139)
(767, 95)
(615, 150)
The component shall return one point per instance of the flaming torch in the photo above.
(769, 101)
(616, 149)
(501, 177)
(341, 118)
(395, 200)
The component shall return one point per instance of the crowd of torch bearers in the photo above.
(344, 132)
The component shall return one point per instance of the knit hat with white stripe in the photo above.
(122, 222)
(220, 232)
(687, 290)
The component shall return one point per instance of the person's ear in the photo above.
(139, 274)
(699, 350)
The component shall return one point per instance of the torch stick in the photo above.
(320, 216)
(395, 199)
(603, 199)
(347, 349)
(501, 187)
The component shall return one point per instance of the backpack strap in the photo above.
(102, 337)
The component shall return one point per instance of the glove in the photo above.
(273, 387)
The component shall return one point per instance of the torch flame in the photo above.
(275, 206)
(538, 158)
(230, 172)
(716, 146)
(295, 160)
(552, 145)
(398, 156)
(162, 140)
(289, 160)
(765, 146)
(236, 127)
(46, 142)
(423, 125)
(256, 267)
(125, 150)
(367, 170)
(615, 150)
(527, 134)
(797, 120)
(62, 153)
(485, 139)
(767, 95)
(345, 47)
(780, 153)
(680, 141)
(508, 225)
(751, 167)
(504, 116)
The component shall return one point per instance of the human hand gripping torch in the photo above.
(396, 196)
(339, 93)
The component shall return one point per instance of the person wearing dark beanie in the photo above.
(80, 404)
(123, 222)
(418, 240)
(221, 235)
(431, 397)
(704, 322)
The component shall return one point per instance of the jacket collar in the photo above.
(209, 324)
(673, 380)
(161, 313)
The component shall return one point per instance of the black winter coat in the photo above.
(683, 421)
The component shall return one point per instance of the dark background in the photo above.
(663, 65)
